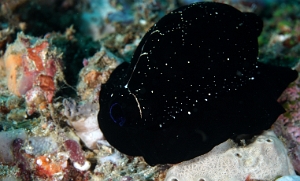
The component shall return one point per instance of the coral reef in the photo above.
(57, 54)
(264, 159)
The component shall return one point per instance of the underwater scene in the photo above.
(149, 90)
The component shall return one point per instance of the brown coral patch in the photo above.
(35, 55)
(93, 78)
(46, 83)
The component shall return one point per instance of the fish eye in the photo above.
(116, 114)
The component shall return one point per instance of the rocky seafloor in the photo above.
(54, 56)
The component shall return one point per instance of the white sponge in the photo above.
(264, 159)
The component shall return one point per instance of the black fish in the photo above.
(193, 82)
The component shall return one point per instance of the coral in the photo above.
(110, 163)
(44, 167)
(33, 69)
(264, 159)
(287, 125)
(49, 156)
(291, 93)
(134, 168)
(96, 72)
(49, 166)
(83, 118)
(294, 132)
(36, 100)
(36, 55)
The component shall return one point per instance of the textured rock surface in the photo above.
(264, 159)
(287, 125)
(83, 118)
(6, 140)
(41, 145)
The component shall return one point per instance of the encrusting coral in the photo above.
(95, 72)
(264, 159)
(33, 68)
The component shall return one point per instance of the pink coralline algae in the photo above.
(292, 93)
(287, 126)
(294, 132)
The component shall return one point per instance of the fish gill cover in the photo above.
(193, 82)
